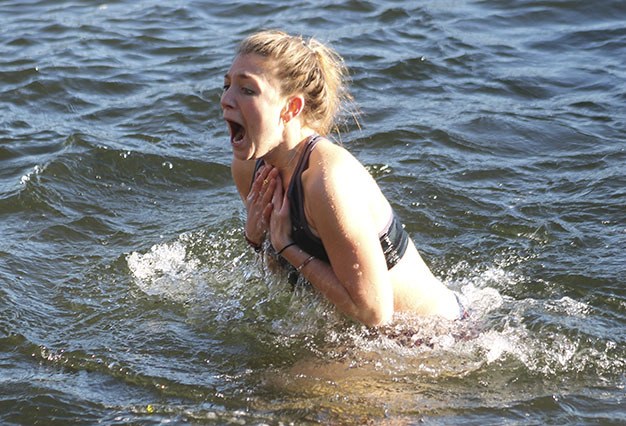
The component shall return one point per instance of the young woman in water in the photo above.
(320, 208)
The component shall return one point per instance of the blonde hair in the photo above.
(310, 68)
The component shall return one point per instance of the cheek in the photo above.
(274, 114)
(266, 115)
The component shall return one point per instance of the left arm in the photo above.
(356, 281)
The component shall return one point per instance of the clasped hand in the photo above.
(268, 209)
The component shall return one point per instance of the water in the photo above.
(127, 293)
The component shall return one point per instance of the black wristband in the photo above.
(255, 246)
(279, 252)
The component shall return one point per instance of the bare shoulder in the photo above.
(333, 170)
(346, 209)
(242, 172)
(338, 185)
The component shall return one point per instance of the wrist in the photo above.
(306, 261)
(285, 247)
(256, 246)
(297, 257)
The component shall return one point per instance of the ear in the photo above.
(294, 107)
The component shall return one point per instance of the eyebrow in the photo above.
(242, 75)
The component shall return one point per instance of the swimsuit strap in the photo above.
(303, 164)
(304, 158)
(301, 232)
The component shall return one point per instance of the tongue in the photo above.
(238, 133)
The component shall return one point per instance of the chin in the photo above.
(243, 154)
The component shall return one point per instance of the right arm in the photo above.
(256, 196)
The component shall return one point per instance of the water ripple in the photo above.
(129, 296)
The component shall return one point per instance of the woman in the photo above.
(319, 207)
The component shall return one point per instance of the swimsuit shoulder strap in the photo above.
(301, 232)
(303, 163)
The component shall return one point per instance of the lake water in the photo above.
(128, 295)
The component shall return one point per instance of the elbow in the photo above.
(377, 317)
(376, 312)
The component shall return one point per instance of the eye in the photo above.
(247, 91)
(226, 87)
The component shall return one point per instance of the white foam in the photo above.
(568, 306)
(165, 271)
(500, 330)
(203, 270)
(37, 169)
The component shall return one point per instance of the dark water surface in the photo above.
(127, 293)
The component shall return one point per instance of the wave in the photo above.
(548, 337)
(523, 346)
(128, 293)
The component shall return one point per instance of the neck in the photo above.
(285, 156)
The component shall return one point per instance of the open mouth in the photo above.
(237, 131)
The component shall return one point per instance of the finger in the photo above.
(259, 190)
(277, 195)
(285, 205)
(272, 172)
(268, 191)
(267, 212)
(259, 178)
(267, 174)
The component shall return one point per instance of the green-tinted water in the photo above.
(127, 294)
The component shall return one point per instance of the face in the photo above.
(252, 107)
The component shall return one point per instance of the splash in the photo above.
(165, 270)
(222, 280)
(37, 170)
(547, 338)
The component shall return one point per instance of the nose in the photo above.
(226, 101)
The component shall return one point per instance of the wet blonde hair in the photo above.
(306, 67)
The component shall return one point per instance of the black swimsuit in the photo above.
(393, 240)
